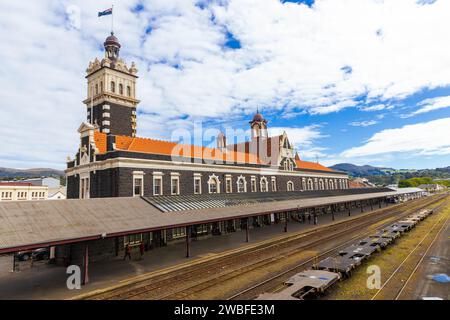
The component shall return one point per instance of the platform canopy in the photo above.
(28, 225)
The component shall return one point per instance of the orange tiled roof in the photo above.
(169, 148)
(311, 165)
(100, 141)
(152, 146)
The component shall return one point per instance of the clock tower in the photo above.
(111, 96)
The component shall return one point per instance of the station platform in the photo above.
(44, 281)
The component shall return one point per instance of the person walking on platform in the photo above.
(127, 252)
(141, 249)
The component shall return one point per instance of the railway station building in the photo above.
(112, 162)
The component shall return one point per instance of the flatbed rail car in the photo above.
(381, 242)
(304, 285)
(347, 259)
(411, 220)
(402, 227)
(340, 264)
(363, 247)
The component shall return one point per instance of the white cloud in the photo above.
(427, 138)
(431, 105)
(376, 107)
(318, 60)
(363, 123)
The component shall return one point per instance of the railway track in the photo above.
(195, 278)
(394, 286)
(277, 280)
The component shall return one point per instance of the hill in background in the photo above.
(10, 173)
(387, 176)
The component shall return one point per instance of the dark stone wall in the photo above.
(73, 187)
(104, 183)
(118, 182)
(120, 118)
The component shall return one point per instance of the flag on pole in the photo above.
(105, 13)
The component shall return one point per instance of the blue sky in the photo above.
(360, 81)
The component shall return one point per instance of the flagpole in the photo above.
(112, 19)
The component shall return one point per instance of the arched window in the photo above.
(129, 91)
(310, 184)
(113, 87)
(273, 182)
(96, 89)
(331, 185)
(101, 86)
(303, 184)
(263, 184)
(321, 187)
(241, 184)
(120, 88)
(214, 184)
(290, 186)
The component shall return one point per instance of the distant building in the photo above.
(57, 193)
(360, 183)
(17, 191)
(50, 182)
(433, 187)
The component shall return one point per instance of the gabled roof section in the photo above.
(169, 148)
(100, 141)
(311, 165)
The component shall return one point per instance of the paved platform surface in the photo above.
(49, 282)
(437, 261)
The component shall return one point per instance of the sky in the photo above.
(358, 81)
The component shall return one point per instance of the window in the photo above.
(290, 186)
(331, 185)
(120, 88)
(241, 184)
(84, 186)
(274, 184)
(132, 239)
(96, 89)
(303, 183)
(263, 184)
(197, 184)
(137, 187)
(202, 228)
(113, 87)
(157, 186)
(178, 232)
(174, 185)
(129, 91)
(138, 183)
(310, 184)
(214, 184)
(101, 86)
(253, 184)
(228, 186)
(321, 187)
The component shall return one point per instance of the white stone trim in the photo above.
(241, 177)
(138, 175)
(266, 183)
(211, 177)
(172, 165)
